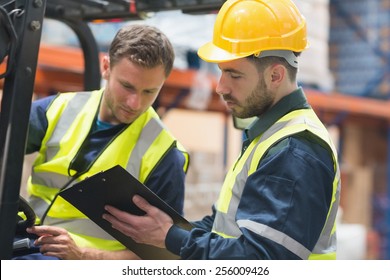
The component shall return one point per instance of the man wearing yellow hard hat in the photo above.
(280, 198)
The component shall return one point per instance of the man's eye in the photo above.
(127, 86)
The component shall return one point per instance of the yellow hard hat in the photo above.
(249, 27)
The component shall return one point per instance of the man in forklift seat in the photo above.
(78, 134)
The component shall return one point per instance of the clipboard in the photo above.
(117, 187)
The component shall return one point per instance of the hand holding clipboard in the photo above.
(117, 187)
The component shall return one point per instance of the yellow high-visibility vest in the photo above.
(225, 223)
(138, 148)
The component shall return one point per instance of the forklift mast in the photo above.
(22, 21)
(20, 34)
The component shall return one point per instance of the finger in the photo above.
(141, 203)
(113, 220)
(46, 230)
(125, 227)
(151, 211)
(122, 227)
(37, 231)
(110, 218)
(53, 248)
(45, 239)
(116, 215)
(112, 210)
(53, 251)
(116, 223)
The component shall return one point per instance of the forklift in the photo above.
(20, 35)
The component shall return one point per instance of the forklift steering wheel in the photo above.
(22, 224)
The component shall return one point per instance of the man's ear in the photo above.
(278, 73)
(105, 67)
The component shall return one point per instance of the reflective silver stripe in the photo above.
(67, 117)
(276, 236)
(149, 133)
(53, 180)
(280, 125)
(79, 226)
(227, 221)
(271, 131)
(38, 204)
(324, 243)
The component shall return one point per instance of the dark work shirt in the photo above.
(290, 191)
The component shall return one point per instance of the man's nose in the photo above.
(134, 101)
(221, 88)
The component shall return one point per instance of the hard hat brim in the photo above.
(211, 53)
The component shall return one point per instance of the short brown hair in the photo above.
(144, 45)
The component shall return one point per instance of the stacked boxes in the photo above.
(360, 47)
